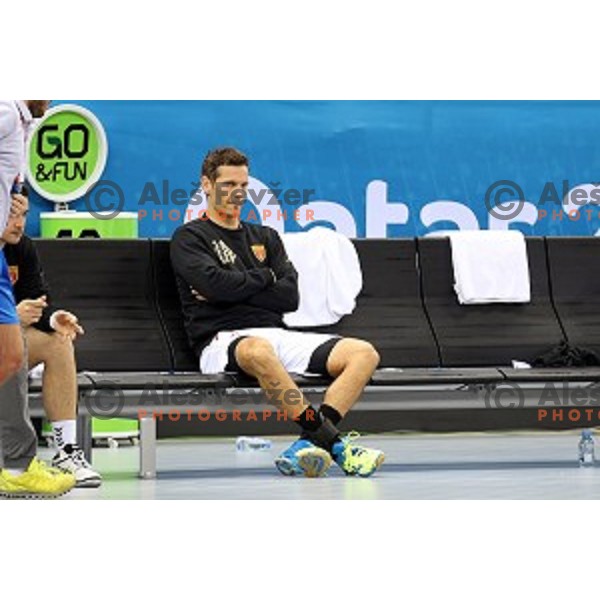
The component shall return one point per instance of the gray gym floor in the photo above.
(418, 466)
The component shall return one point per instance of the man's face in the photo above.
(227, 193)
(15, 228)
(37, 108)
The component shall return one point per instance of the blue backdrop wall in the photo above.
(377, 168)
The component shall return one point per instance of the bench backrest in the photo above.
(109, 285)
(124, 292)
(169, 308)
(389, 311)
(488, 334)
(575, 275)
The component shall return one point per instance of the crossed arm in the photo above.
(273, 287)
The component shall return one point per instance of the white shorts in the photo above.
(293, 348)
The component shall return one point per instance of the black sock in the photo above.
(310, 419)
(330, 413)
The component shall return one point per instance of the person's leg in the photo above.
(269, 355)
(18, 437)
(23, 475)
(351, 362)
(256, 356)
(59, 394)
(11, 338)
(11, 351)
(59, 380)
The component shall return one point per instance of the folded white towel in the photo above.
(490, 266)
(329, 276)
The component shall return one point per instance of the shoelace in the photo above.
(349, 438)
(78, 457)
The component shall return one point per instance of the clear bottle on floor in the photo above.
(586, 449)
(250, 444)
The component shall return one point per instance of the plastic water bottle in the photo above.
(586, 449)
(251, 444)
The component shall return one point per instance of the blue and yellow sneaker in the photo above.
(38, 481)
(356, 460)
(303, 458)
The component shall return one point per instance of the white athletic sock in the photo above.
(64, 433)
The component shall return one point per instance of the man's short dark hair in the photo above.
(222, 157)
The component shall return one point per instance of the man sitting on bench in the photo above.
(49, 335)
(235, 283)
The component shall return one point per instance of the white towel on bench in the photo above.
(490, 267)
(329, 276)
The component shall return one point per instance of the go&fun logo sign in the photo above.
(66, 153)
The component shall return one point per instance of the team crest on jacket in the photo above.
(13, 273)
(259, 251)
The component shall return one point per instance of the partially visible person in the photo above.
(15, 116)
(49, 335)
(22, 474)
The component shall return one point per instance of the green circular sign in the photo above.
(66, 153)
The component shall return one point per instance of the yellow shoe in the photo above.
(39, 481)
(356, 460)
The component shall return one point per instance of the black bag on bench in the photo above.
(565, 355)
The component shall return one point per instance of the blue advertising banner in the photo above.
(369, 169)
